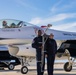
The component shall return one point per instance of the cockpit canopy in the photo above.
(11, 23)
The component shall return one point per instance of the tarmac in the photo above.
(58, 70)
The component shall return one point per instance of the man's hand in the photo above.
(41, 47)
(46, 56)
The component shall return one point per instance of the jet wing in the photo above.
(62, 35)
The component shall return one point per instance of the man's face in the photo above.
(51, 36)
(4, 22)
(39, 33)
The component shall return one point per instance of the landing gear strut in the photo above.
(68, 65)
(24, 69)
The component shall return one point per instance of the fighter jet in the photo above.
(18, 36)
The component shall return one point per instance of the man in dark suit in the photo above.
(51, 48)
(37, 44)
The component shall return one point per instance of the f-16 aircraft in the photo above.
(6, 60)
(18, 36)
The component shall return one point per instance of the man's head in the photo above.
(51, 36)
(4, 22)
(39, 32)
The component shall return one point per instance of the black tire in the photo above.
(66, 67)
(24, 70)
(11, 66)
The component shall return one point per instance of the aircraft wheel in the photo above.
(10, 66)
(66, 68)
(24, 70)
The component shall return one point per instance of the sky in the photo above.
(60, 13)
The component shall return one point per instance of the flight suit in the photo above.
(51, 48)
(37, 42)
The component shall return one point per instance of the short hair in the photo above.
(51, 34)
(39, 31)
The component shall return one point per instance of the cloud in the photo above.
(25, 4)
(36, 20)
(65, 26)
(53, 19)
(54, 8)
(62, 6)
